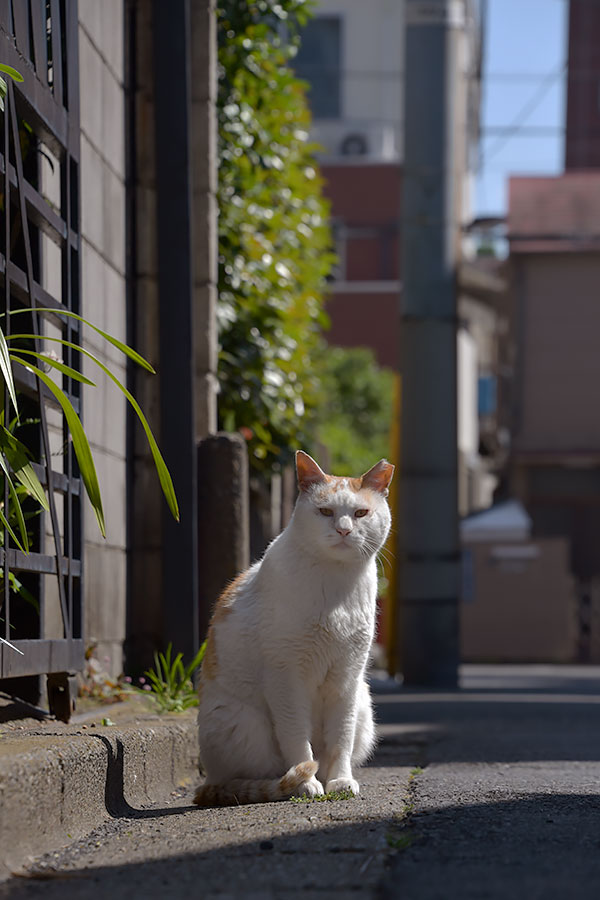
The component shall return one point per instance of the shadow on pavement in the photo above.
(537, 847)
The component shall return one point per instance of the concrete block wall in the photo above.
(103, 254)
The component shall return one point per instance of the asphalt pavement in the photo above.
(491, 791)
(509, 803)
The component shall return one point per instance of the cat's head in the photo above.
(342, 518)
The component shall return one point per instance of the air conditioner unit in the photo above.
(377, 141)
(354, 144)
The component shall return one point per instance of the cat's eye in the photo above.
(360, 513)
(325, 512)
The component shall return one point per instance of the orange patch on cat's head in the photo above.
(340, 483)
(311, 475)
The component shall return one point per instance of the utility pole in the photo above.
(428, 520)
(178, 409)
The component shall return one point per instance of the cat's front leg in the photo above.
(290, 707)
(340, 709)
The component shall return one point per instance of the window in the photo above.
(487, 390)
(319, 62)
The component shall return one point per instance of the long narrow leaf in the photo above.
(17, 455)
(191, 668)
(54, 363)
(124, 348)
(6, 370)
(80, 445)
(19, 514)
(10, 71)
(17, 507)
(164, 476)
(177, 665)
(4, 521)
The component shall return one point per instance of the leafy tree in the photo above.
(356, 409)
(274, 238)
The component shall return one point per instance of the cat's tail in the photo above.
(248, 790)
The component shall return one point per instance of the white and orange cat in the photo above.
(284, 706)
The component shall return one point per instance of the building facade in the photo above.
(555, 452)
(352, 56)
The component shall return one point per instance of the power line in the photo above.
(525, 131)
(309, 70)
(526, 110)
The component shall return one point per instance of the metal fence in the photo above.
(40, 268)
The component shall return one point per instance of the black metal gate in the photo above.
(40, 267)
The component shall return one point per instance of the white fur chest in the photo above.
(324, 625)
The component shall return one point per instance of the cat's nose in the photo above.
(344, 526)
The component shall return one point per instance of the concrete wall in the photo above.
(102, 104)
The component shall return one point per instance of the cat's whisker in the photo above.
(382, 560)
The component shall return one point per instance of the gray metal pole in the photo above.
(428, 521)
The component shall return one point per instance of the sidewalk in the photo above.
(489, 792)
(58, 782)
(509, 804)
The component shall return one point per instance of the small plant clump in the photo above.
(170, 684)
(400, 841)
(322, 798)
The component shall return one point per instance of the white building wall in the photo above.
(372, 65)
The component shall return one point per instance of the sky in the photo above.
(524, 88)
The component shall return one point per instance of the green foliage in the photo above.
(16, 455)
(356, 409)
(171, 683)
(274, 239)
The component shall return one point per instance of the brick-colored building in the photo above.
(582, 144)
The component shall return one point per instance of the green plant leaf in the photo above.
(17, 455)
(4, 521)
(54, 363)
(196, 662)
(124, 348)
(10, 71)
(22, 591)
(171, 684)
(6, 371)
(80, 445)
(17, 507)
(164, 476)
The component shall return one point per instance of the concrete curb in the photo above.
(57, 782)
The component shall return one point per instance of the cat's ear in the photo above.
(378, 478)
(309, 472)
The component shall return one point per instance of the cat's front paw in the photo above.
(343, 784)
(312, 788)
